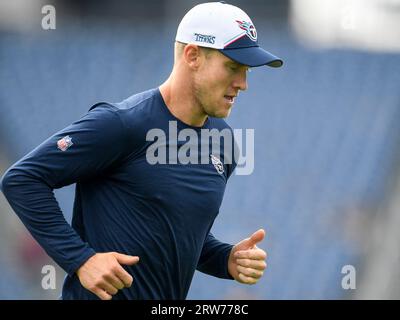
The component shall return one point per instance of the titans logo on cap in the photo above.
(249, 28)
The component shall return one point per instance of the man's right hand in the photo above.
(103, 275)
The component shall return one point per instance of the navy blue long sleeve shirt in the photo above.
(162, 213)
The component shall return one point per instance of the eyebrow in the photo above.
(233, 63)
(236, 64)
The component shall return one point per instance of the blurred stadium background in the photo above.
(326, 184)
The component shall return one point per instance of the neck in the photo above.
(179, 97)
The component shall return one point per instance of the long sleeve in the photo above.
(214, 258)
(215, 254)
(90, 146)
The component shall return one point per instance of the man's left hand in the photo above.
(246, 262)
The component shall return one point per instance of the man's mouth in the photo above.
(230, 99)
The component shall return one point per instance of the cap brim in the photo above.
(252, 57)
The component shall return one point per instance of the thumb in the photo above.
(125, 259)
(255, 238)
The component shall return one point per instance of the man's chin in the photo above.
(221, 113)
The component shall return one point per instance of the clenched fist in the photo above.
(103, 275)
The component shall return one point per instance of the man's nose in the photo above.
(241, 81)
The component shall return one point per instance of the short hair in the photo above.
(180, 46)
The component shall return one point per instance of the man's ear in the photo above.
(192, 55)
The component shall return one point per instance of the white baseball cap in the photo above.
(228, 29)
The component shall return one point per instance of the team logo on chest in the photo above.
(217, 164)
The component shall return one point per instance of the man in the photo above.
(141, 228)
